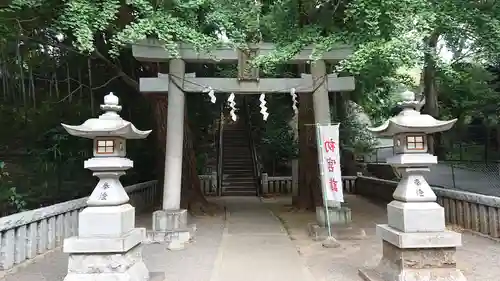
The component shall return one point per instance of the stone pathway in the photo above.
(249, 243)
(255, 246)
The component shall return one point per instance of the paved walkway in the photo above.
(255, 246)
(249, 243)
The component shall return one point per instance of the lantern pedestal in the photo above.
(108, 246)
(170, 226)
(416, 244)
(427, 256)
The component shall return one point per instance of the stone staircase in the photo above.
(237, 168)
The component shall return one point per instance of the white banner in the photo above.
(331, 177)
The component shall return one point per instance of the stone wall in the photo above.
(25, 235)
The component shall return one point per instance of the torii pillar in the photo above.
(170, 223)
(339, 215)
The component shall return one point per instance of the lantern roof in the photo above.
(410, 120)
(108, 124)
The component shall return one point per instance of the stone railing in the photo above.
(471, 211)
(25, 235)
(209, 184)
(283, 185)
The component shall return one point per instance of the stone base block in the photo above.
(121, 244)
(170, 227)
(416, 240)
(427, 264)
(127, 266)
(112, 221)
(439, 274)
(414, 216)
(175, 239)
(337, 216)
(339, 232)
(168, 220)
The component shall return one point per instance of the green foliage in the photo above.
(354, 135)
(10, 200)
(466, 91)
(278, 144)
(386, 36)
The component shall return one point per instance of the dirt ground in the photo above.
(478, 257)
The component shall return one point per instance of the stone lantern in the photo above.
(416, 244)
(108, 246)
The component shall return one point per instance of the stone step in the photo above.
(236, 156)
(238, 173)
(239, 178)
(238, 182)
(237, 161)
(237, 170)
(239, 193)
(239, 188)
(239, 165)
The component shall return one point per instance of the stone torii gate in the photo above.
(177, 82)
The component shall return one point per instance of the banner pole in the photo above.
(323, 183)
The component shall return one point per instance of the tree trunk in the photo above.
(430, 91)
(192, 196)
(309, 194)
(348, 163)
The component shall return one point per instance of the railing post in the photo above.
(295, 177)
(265, 183)
(213, 183)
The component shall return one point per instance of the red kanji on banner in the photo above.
(333, 185)
(331, 164)
(329, 145)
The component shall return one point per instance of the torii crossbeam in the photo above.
(194, 84)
